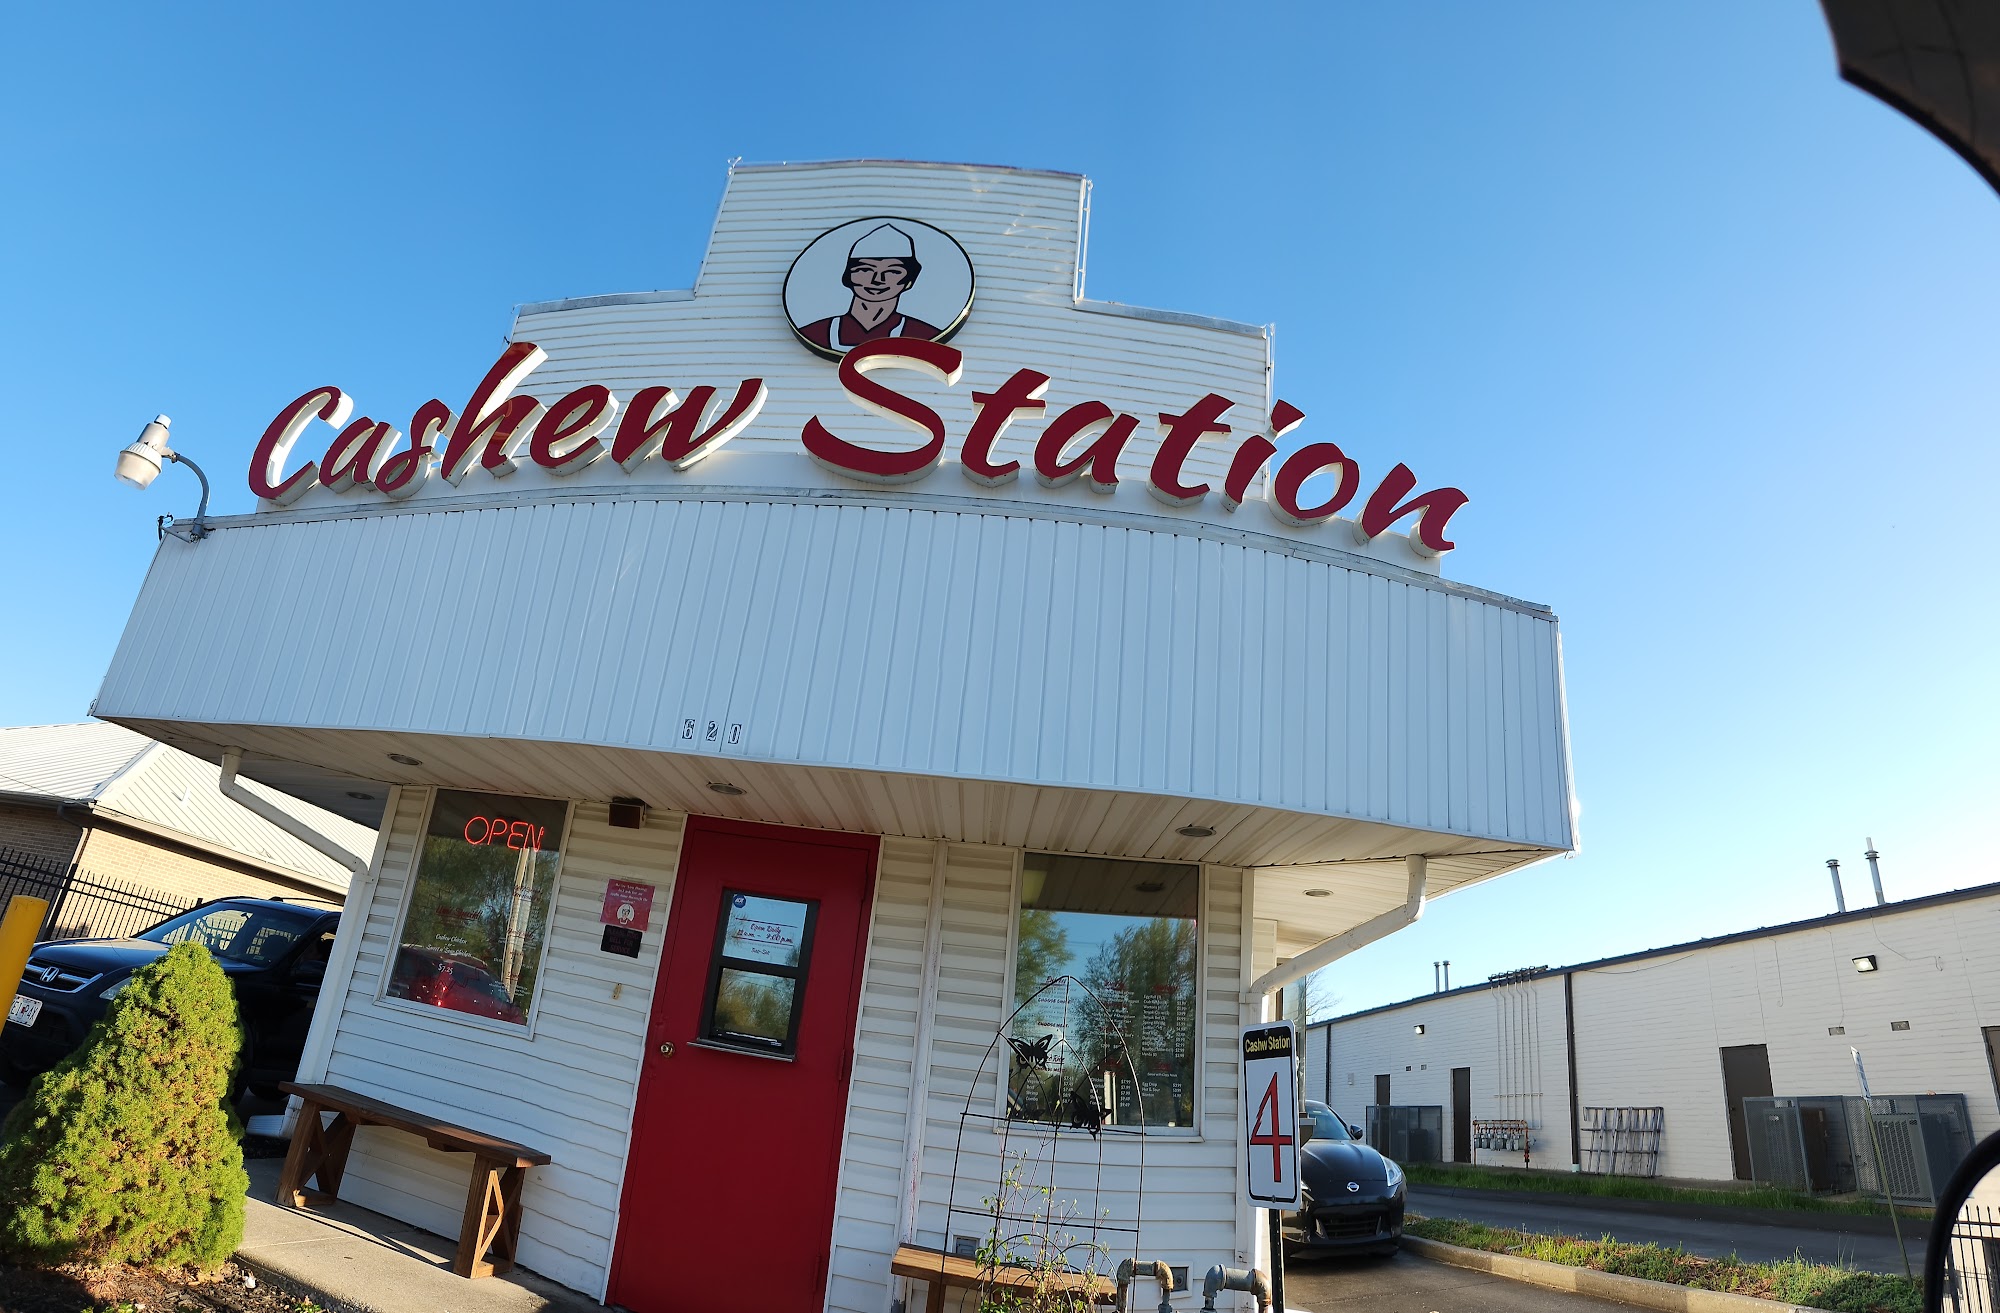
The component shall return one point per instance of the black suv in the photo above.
(274, 952)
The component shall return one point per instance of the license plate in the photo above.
(25, 1010)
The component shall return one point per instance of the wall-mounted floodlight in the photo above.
(1865, 964)
(139, 464)
(1420, 1028)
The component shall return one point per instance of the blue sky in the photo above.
(1706, 334)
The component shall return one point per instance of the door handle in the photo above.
(667, 1049)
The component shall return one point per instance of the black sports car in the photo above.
(1353, 1195)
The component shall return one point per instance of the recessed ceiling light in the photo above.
(360, 797)
(1319, 893)
(725, 788)
(402, 760)
(1195, 831)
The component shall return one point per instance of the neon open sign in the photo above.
(484, 831)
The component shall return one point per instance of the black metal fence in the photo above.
(82, 905)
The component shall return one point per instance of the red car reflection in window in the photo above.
(450, 980)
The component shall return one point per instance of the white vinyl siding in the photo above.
(568, 1091)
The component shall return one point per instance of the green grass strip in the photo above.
(1794, 1281)
(1465, 1177)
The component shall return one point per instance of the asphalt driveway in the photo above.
(1408, 1284)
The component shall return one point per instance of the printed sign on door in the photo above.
(1271, 1110)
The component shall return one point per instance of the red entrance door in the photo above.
(728, 1198)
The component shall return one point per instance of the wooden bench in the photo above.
(944, 1272)
(492, 1205)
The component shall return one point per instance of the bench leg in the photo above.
(315, 1151)
(492, 1219)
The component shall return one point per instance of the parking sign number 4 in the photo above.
(1270, 1139)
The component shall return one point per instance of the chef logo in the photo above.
(627, 914)
(880, 277)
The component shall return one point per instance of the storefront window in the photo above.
(1119, 1042)
(479, 905)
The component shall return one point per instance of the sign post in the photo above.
(1271, 1123)
(1881, 1172)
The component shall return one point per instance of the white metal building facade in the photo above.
(973, 672)
(1650, 1030)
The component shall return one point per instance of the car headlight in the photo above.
(114, 989)
(1394, 1173)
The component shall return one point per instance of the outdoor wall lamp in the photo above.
(139, 464)
(1865, 964)
(1420, 1028)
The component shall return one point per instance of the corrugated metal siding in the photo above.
(569, 1090)
(1648, 1031)
(914, 641)
(1526, 1076)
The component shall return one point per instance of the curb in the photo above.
(1604, 1285)
(1914, 1228)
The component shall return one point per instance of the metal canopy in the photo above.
(1937, 61)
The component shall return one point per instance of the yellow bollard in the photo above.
(17, 936)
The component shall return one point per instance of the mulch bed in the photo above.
(79, 1289)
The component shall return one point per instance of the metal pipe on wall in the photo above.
(1839, 899)
(1875, 872)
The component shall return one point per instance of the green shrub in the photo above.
(126, 1152)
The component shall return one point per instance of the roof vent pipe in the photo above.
(232, 788)
(1839, 899)
(1875, 872)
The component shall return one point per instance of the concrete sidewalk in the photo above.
(354, 1261)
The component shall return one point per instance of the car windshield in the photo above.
(1327, 1126)
(237, 932)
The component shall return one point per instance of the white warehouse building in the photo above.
(1671, 1042)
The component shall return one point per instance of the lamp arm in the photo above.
(201, 511)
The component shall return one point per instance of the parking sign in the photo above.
(1271, 1114)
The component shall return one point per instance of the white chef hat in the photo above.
(884, 242)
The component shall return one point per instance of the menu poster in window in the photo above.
(768, 930)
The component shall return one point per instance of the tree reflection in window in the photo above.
(1128, 931)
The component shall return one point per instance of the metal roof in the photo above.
(124, 775)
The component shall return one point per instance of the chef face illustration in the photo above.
(878, 271)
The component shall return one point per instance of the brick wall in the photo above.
(178, 873)
(38, 830)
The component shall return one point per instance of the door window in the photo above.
(757, 973)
